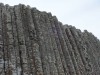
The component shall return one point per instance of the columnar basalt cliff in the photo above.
(36, 43)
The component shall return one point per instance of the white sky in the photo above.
(83, 14)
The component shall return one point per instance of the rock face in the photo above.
(36, 43)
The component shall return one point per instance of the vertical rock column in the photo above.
(77, 61)
(28, 27)
(92, 51)
(57, 47)
(5, 40)
(1, 44)
(85, 58)
(48, 45)
(63, 46)
(53, 44)
(11, 53)
(39, 53)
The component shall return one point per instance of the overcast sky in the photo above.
(83, 14)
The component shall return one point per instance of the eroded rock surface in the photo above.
(36, 43)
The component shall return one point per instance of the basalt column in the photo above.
(34, 42)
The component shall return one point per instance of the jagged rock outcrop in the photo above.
(36, 43)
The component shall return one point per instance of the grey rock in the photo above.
(36, 43)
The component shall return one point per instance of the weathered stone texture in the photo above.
(36, 43)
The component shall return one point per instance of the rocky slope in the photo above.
(36, 43)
